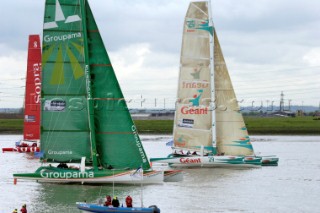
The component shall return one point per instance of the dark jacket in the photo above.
(115, 202)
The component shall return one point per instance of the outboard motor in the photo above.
(155, 209)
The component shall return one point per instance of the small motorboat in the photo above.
(101, 208)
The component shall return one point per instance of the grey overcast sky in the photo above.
(269, 46)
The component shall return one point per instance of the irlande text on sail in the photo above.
(195, 85)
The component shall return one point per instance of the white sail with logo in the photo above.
(193, 118)
(207, 111)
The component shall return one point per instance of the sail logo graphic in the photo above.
(195, 108)
(63, 48)
(188, 110)
(30, 118)
(196, 24)
(59, 16)
(181, 142)
(196, 73)
(196, 98)
(243, 142)
(188, 123)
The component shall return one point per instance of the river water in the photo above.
(293, 186)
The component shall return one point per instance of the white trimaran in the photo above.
(209, 129)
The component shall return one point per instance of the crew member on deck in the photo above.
(108, 201)
(62, 165)
(129, 201)
(115, 202)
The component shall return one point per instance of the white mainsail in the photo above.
(193, 119)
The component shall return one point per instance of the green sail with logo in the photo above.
(65, 129)
(84, 114)
(66, 114)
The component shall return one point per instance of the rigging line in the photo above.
(258, 71)
(274, 87)
(13, 79)
(270, 97)
(279, 78)
(267, 86)
(286, 90)
(270, 79)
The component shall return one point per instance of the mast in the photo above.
(213, 104)
(89, 91)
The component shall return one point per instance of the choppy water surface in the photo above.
(293, 186)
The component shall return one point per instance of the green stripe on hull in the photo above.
(58, 173)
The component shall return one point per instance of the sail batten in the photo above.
(117, 133)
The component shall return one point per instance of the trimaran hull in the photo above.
(209, 161)
(58, 175)
(217, 161)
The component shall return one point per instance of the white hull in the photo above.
(207, 162)
(169, 174)
(155, 177)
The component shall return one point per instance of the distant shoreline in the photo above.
(255, 125)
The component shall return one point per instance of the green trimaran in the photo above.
(84, 114)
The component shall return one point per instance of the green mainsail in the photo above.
(84, 112)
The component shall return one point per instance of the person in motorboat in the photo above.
(108, 201)
(115, 202)
(129, 201)
(23, 209)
